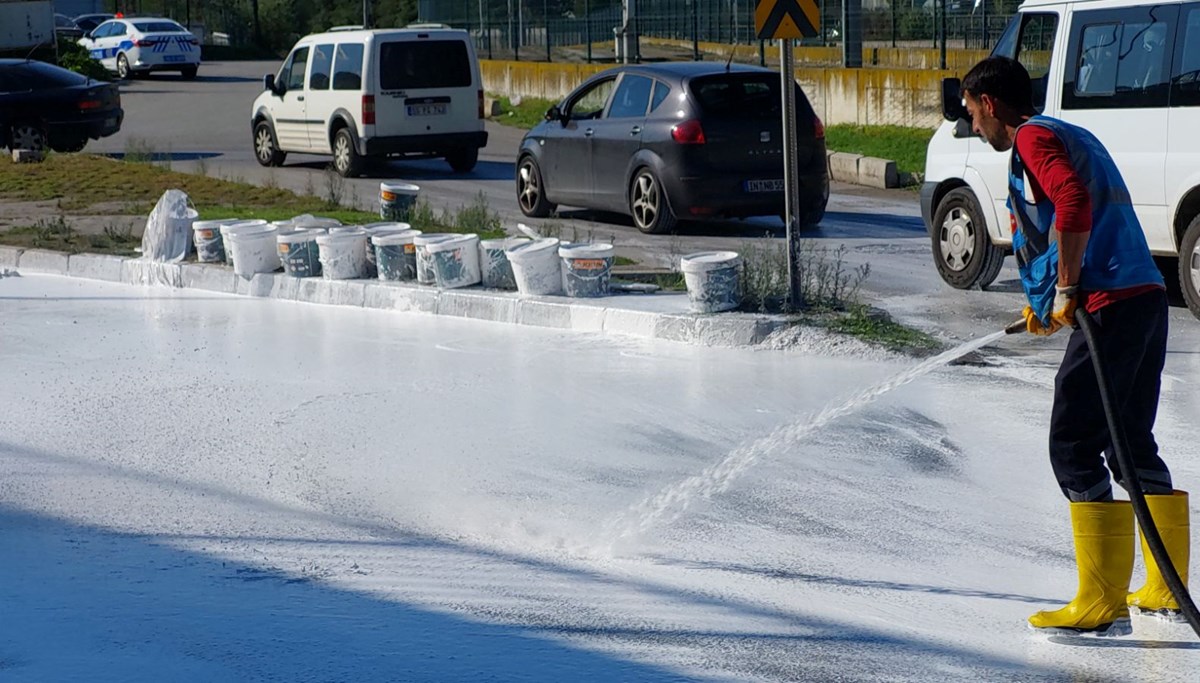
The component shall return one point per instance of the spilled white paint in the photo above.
(201, 487)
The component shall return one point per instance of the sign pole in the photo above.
(791, 171)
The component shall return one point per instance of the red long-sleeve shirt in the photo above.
(1051, 176)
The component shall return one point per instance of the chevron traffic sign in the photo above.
(786, 19)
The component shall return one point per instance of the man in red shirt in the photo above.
(1078, 242)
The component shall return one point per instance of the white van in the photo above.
(1129, 72)
(359, 94)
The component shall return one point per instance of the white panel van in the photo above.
(360, 94)
(1127, 71)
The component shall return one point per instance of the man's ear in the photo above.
(988, 104)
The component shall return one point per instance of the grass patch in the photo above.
(877, 327)
(316, 208)
(530, 112)
(57, 234)
(623, 261)
(905, 146)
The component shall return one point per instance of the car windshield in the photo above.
(42, 76)
(158, 27)
(742, 95)
(424, 64)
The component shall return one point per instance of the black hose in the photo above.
(1116, 430)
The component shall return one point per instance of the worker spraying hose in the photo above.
(1079, 246)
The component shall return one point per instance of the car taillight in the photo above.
(818, 127)
(193, 41)
(146, 43)
(481, 112)
(86, 105)
(368, 110)
(688, 133)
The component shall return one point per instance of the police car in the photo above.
(135, 45)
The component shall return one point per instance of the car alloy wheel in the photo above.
(529, 190)
(264, 146)
(28, 136)
(956, 238)
(123, 67)
(647, 201)
(341, 154)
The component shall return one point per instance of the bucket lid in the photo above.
(399, 188)
(297, 236)
(455, 242)
(431, 237)
(310, 221)
(211, 225)
(342, 237)
(709, 260)
(393, 238)
(242, 223)
(345, 229)
(503, 242)
(259, 232)
(586, 250)
(236, 230)
(532, 249)
(376, 228)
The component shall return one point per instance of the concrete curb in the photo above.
(861, 170)
(646, 316)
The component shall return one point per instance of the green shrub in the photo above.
(74, 57)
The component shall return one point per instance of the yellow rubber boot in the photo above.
(1170, 515)
(1104, 555)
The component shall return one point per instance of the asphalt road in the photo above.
(209, 118)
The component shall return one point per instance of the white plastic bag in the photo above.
(168, 235)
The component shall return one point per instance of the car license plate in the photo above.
(764, 185)
(173, 58)
(426, 110)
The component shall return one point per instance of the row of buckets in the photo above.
(310, 246)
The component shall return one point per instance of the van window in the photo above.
(347, 67)
(1119, 59)
(631, 97)
(417, 64)
(1185, 82)
(1029, 39)
(293, 74)
(322, 66)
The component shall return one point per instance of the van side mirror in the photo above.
(554, 114)
(953, 108)
(269, 84)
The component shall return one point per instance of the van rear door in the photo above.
(427, 86)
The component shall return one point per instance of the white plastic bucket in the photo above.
(237, 224)
(425, 274)
(206, 235)
(343, 255)
(307, 220)
(396, 255)
(396, 200)
(586, 269)
(537, 268)
(495, 269)
(299, 253)
(713, 281)
(253, 249)
(373, 229)
(455, 261)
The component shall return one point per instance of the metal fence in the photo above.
(587, 30)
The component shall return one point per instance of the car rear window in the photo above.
(416, 64)
(158, 27)
(39, 76)
(743, 96)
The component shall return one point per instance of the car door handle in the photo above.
(636, 130)
(299, 98)
(589, 132)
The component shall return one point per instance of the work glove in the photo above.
(1035, 326)
(1065, 300)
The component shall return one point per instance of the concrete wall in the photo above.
(875, 96)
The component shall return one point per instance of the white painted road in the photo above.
(198, 487)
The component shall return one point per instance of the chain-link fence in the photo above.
(590, 30)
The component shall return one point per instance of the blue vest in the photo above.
(1116, 256)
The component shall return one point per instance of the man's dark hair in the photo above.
(1003, 79)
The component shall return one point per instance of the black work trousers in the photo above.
(1132, 336)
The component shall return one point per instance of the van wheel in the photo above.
(266, 148)
(963, 252)
(346, 160)
(1189, 266)
(463, 160)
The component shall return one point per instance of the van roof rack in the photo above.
(345, 28)
(427, 25)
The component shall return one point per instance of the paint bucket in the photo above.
(586, 269)
(307, 220)
(229, 225)
(496, 271)
(396, 200)
(425, 274)
(713, 282)
(343, 255)
(206, 235)
(396, 255)
(455, 261)
(253, 249)
(299, 253)
(373, 229)
(536, 266)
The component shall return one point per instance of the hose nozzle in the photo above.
(1016, 327)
